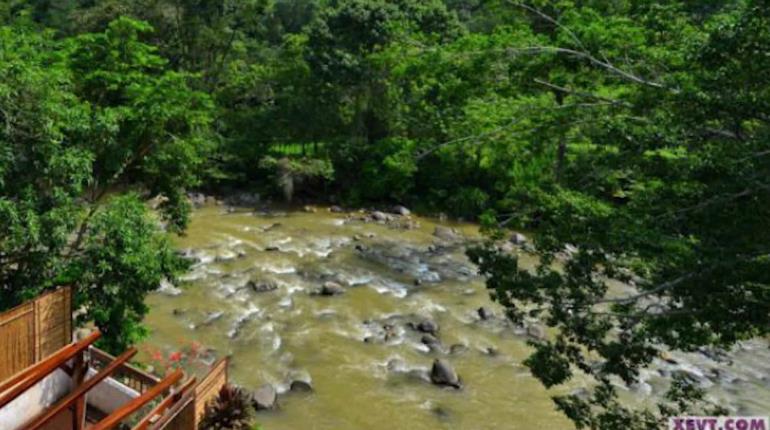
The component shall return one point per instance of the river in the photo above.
(252, 295)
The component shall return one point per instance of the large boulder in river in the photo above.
(264, 398)
(442, 373)
(446, 233)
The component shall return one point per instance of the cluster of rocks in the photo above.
(398, 217)
(198, 200)
(441, 372)
(262, 286)
(265, 398)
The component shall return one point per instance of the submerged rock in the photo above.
(264, 398)
(432, 342)
(299, 386)
(441, 413)
(442, 373)
(458, 349)
(491, 351)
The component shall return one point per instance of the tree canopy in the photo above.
(630, 138)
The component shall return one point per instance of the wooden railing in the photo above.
(126, 374)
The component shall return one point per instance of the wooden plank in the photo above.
(53, 319)
(72, 397)
(35, 329)
(35, 373)
(80, 368)
(132, 406)
(181, 416)
(210, 385)
(166, 403)
(17, 337)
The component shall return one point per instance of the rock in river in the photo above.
(299, 386)
(485, 313)
(536, 332)
(431, 342)
(401, 210)
(518, 239)
(331, 289)
(380, 216)
(428, 326)
(262, 286)
(264, 398)
(446, 233)
(442, 373)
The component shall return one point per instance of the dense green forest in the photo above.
(635, 134)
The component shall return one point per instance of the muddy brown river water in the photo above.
(250, 295)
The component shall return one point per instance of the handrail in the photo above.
(132, 406)
(81, 390)
(128, 375)
(30, 376)
(177, 411)
(165, 404)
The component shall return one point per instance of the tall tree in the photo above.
(83, 119)
(666, 190)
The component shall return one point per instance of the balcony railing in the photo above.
(126, 374)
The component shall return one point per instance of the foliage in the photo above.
(664, 191)
(230, 410)
(290, 172)
(81, 118)
(633, 134)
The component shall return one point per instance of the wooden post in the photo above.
(78, 375)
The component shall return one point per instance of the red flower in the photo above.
(175, 356)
